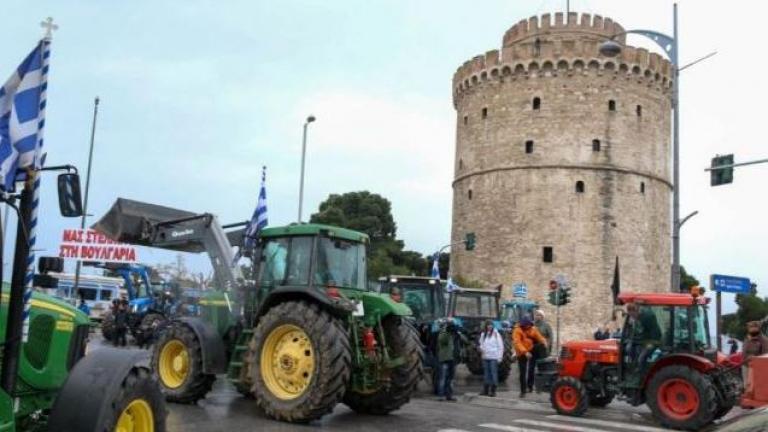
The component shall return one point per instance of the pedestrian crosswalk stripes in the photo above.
(558, 423)
(606, 423)
(560, 427)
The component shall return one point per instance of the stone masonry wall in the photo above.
(517, 202)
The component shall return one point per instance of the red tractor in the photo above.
(664, 359)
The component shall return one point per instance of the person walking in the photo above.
(525, 338)
(491, 350)
(544, 328)
(448, 354)
(754, 344)
(83, 307)
(121, 324)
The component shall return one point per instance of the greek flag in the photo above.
(435, 266)
(22, 116)
(259, 219)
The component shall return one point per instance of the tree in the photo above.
(687, 280)
(372, 214)
(751, 308)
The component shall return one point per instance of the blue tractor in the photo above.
(149, 306)
(512, 311)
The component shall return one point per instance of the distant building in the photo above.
(562, 164)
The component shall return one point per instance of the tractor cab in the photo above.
(471, 307)
(512, 311)
(424, 295)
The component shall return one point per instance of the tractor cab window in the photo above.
(274, 262)
(299, 260)
(340, 263)
(475, 305)
(691, 328)
(423, 300)
(514, 312)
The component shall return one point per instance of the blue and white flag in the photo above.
(436, 266)
(22, 116)
(259, 219)
(450, 285)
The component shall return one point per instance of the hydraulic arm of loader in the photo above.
(161, 227)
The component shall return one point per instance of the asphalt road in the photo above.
(226, 410)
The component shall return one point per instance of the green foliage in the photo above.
(751, 308)
(687, 280)
(372, 214)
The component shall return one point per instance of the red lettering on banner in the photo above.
(93, 245)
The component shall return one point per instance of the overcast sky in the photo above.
(197, 95)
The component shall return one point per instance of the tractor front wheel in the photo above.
(569, 397)
(149, 327)
(177, 362)
(474, 360)
(404, 346)
(299, 361)
(505, 365)
(682, 398)
(108, 326)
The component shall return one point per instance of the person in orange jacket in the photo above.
(525, 338)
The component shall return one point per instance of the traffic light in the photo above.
(721, 176)
(565, 296)
(469, 241)
(553, 293)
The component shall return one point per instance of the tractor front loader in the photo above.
(300, 338)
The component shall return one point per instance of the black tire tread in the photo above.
(108, 326)
(403, 340)
(505, 365)
(583, 404)
(198, 384)
(138, 384)
(333, 358)
(707, 397)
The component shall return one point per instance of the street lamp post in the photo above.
(310, 119)
(670, 45)
(79, 264)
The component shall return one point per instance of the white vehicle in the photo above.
(98, 291)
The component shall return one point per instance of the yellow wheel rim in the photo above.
(173, 364)
(136, 417)
(287, 362)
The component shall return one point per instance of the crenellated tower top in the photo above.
(588, 27)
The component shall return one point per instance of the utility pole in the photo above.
(310, 119)
(79, 264)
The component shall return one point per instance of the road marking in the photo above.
(625, 426)
(506, 428)
(559, 426)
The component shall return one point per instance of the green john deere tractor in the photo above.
(300, 338)
(47, 382)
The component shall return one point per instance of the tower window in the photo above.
(548, 254)
(579, 186)
(529, 146)
(537, 103)
(469, 194)
(466, 119)
(642, 187)
(611, 105)
(485, 112)
(461, 163)
(596, 145)
(639, 110)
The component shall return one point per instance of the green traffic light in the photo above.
(721, 176)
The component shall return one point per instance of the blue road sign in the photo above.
(731, 284)
(520, 290)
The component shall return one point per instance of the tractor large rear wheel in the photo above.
(404, 346)
(299, 360)
(108, 326)
(149, 327)
(177, 362)
(474, 360)
(682, 398)
(505, 365)
(569, 397)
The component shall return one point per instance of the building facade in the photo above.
(563, 164)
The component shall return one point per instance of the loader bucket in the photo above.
(129, 221)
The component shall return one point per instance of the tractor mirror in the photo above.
(70, 203)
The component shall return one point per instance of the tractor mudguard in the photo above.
(692, 361)
(337, 306)
(380, 304)
(78, 403)
(213, 349)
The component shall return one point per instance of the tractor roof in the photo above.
(402, 278)
(490, 291)
(662, 299)
(305, 229)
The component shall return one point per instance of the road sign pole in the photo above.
(718, 312)
(557, 324)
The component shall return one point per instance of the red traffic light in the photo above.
(553, 285)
